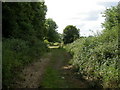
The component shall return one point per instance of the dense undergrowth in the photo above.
(97, 56)
(25, 28)
(27, 34)
(96, 59)
(16, 54)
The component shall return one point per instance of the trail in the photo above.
(60, 74)
(51, 71)
(31, 75)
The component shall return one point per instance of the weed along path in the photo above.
(32, 74)
(59, 74)
(51, 71)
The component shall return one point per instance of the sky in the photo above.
(84, 14)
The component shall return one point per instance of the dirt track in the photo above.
(33, 74)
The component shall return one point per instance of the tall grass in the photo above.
(16, 54)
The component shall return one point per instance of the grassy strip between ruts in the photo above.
(53, 77)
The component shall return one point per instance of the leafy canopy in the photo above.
(51, 32)
(70, 33)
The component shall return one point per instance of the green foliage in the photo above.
(24, 20)
(111, 18)
(97, 56)
(23, 33)
(70, 33)
(16, 54)
(52, 34)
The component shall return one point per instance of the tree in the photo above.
(51, 32)
(111, 18)
(111, 24)
(24, 20)
(70, 33)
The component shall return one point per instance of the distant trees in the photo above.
(70, 33)
(51, 32)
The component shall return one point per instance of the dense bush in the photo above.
(16, 54)
(24, 31)
(96, 59)
(97, 56)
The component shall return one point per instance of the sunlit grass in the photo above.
(52, 77)
(53, 46)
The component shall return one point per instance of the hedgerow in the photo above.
(16, 54)
(96, 59)
(97, 56)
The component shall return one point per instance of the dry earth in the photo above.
(32, 74)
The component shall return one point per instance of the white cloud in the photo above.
(85, 14)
